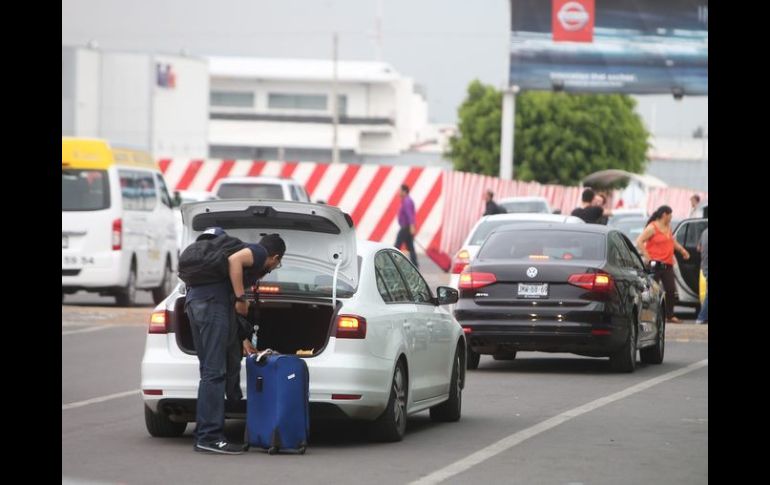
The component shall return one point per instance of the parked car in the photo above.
(515, 205)
(578, 288)
(378, 344)
(485, 226)
(260, 188)
(630, 225)
(687, 272)
(118, 231)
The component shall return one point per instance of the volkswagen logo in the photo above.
(531, 271)
(572, 16)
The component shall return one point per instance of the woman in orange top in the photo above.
(657, 244)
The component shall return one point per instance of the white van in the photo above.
(118, 231)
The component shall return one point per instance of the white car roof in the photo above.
(523, 217)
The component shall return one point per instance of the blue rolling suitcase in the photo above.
(277, 416)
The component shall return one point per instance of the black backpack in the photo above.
(205, 261)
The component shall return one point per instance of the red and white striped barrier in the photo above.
(448, 203)
(369, 193)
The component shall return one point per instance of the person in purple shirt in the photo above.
(406, 222)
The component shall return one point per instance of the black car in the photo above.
(577, 288)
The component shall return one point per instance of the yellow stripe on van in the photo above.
(96, 154)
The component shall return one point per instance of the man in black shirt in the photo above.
(492, 208)
(590, 213)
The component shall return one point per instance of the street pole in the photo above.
(335, 113)
(507, 126)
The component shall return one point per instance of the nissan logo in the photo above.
(572, 16)
(531, 271)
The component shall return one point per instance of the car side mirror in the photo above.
(446, 295)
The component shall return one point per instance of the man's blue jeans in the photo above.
(210, 323)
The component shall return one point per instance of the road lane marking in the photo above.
(510, 441)
(84, 330)
(99, 399)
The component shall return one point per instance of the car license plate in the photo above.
(527, 290)
(65, 241)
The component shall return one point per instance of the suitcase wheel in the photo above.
(302, 450)
(272, 450)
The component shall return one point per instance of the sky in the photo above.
(442, 44)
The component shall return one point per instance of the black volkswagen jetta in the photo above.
(544, 287)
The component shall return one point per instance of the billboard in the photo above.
(610, 46)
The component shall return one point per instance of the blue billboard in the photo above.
(610, 46)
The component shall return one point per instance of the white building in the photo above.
(282, 109)
(154, 102)
(680, 162)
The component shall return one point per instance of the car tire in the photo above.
(127, 296)
(624, 360)
(654, 354)
(450, 410)
(391, 425)
(473, 359)
(166, 285)
(159, 426)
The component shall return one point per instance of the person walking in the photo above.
(406, 223)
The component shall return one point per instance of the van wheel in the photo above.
(159, 426)
(449, 410)
(166, 285)
(127, 295)
(391, 425)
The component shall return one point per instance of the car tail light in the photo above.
(462, 259)
(351, 326)
(159, 321)
(153, 392)
(600, 282)
(472, 281)
(117, 234)
(269, 289)
(467, 330)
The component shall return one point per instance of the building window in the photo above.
(315, 102)
(232, 99)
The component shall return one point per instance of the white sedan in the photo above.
(481, 230)
(379, 346)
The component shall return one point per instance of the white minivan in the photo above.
(118, 232)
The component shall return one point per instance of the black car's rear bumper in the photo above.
(589, 331)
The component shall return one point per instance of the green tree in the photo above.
(559, 138)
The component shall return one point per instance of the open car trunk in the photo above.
(286, 326)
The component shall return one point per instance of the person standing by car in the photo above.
(600, 200)
(210, 308)
(587, 211)
(703, 248)
(406, 222)
(694, 201)
(657, 245)
(491, 206)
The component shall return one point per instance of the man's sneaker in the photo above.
(220, 446)
(700, 322)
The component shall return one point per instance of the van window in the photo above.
(84, 190)
(164, 197)
(138, 190)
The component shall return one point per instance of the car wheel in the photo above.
(166, 285)
(473, 359)
(449, 410)
(127, 295)
(391, 425)
(624, 360)
(159, 426)
(654, 354)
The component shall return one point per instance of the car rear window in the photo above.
(84, 190)
(544, 245)
(250, 191)
(528, 206)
